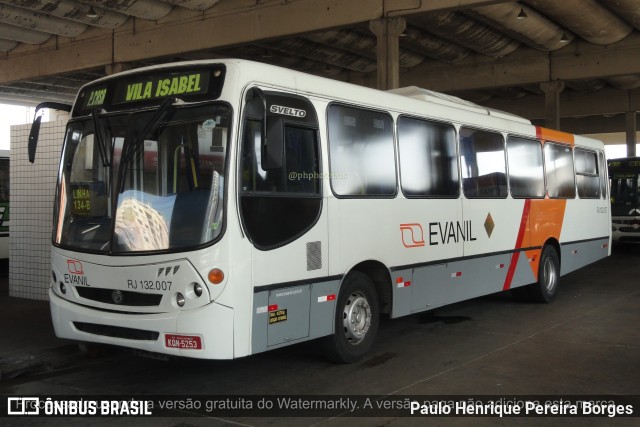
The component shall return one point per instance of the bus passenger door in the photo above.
(282, 213)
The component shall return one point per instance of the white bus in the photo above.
(223, 208)
(625, 199)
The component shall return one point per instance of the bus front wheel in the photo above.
(356, 320)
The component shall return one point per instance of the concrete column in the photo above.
(387, 31)
(631, 123)
(552, 91)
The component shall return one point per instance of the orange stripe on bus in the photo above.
(545, 222)
(547, 215)
(554, 135)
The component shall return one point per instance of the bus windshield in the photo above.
(129, 184)
(625, 199)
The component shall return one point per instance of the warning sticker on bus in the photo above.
(183, 342)
(277, 316)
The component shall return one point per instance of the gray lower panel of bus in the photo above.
(575, 255)
(436, 285)
(293, 314)
(298, 313)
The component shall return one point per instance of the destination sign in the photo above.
(625, 163)
(96, 97)
(151, 87)
(154, 87)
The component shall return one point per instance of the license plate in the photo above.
(183, 342)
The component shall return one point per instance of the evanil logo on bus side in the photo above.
(287, 111)
(438, 233)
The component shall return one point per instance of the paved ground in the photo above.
(586, 342)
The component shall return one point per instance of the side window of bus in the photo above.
(587, 174)
(526, 172)
(558, 161)
(428, 158)
(300, 171)
(483, 165)
(361, 152)
(280, 205)
(603, 175)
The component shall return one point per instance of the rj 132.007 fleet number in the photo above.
(152, 285)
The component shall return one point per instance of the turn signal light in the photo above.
(216, 276)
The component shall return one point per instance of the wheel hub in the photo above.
(356, 317)
(550, 275)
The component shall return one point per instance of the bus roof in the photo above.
(342, 91)
(453, 101)
(407, 100)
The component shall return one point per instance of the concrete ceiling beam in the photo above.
(580, 60)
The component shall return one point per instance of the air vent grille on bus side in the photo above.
(314, 256)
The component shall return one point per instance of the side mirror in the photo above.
(33, 138)
(34, 134)
(273, 144)
(272, 129)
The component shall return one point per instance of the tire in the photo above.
(548, 276)
(544, 290)
(357, 317)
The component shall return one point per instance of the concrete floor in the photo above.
(586, 342)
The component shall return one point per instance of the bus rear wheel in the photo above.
(356, 320)
(544, 290)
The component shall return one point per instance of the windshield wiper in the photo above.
(135, 142)
(99, 136)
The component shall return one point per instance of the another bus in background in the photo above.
(625, 201)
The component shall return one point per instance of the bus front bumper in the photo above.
(158, 332)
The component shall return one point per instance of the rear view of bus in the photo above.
(625, 199)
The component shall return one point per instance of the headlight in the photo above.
(197, 289)
(180, 299)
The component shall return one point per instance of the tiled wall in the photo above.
(31, 207)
